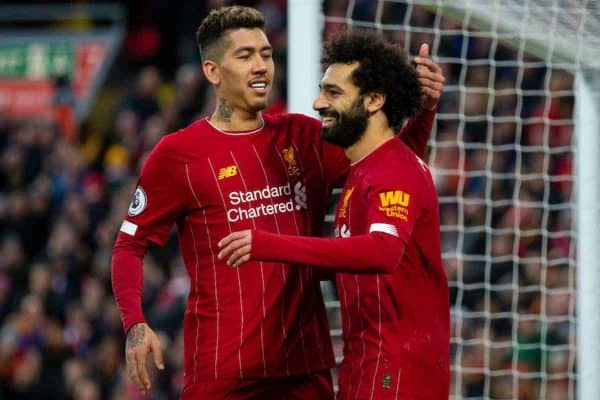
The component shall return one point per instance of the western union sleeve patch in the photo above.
(394, 204)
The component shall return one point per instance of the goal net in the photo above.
(502, 154)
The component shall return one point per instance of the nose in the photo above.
(320, 103)
(260, 65)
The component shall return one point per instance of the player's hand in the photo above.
(237, 246)
(431, 78)
(140, 341)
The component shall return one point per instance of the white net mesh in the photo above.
(502, 157)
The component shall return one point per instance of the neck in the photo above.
(378, 132)
(227, 118)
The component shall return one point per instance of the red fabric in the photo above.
(395, 324)
(251, 322)
(316, 386)
(417, 131)
(128, 278)
(375, 252)
(396, 327)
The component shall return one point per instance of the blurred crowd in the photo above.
(502, 161)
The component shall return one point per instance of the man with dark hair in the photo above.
(258, 333)
(392, 285)
(209, 36)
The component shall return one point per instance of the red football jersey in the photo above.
(264, 321)
(268, 320)
(395, 326)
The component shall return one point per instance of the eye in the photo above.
(244, 55)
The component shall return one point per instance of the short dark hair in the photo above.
(383, 68)
(219, 21)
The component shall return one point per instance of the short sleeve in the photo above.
(394, 205)
(160, 197)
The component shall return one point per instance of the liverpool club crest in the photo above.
(289, 156)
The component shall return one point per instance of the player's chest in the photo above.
(259, 178)
(351, 212)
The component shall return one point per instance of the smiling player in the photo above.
(391, 283)
(259, 333)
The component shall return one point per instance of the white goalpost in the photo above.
(588, 255)
(515, 154)
(304, 36)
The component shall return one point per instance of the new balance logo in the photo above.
(394, 198)
(227, 172)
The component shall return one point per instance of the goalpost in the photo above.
(515, 154)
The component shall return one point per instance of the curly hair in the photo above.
(383, 68)
(219, 21)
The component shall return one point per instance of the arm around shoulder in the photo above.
(375, 252)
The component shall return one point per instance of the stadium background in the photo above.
(65, 187)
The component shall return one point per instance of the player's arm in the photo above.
(158, 200)
(417, 130)
(376, 252)
(127, 283)
(392, 212)
(127, 278)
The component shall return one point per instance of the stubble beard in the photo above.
(349, 127)
(258, 106)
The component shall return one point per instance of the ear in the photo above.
(212, 72)
(374, 102)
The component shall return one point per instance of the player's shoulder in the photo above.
(177, 144)
(168, 147)
(294, 118)
(399, 162)
(304, 119)
(293, 121)
(402, 154)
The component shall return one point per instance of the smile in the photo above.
(259, 87)
(328, 121)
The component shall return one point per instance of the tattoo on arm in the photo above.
(135, 336)
(224, 111)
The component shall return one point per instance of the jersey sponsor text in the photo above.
(280, 196)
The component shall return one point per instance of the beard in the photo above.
(257, 106)
(349, 126)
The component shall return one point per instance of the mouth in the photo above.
(259, 86)
(328, 120)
